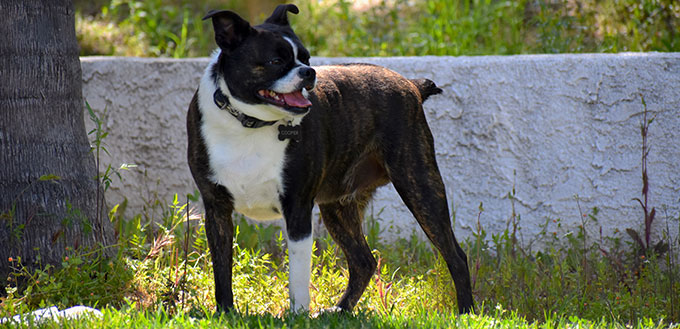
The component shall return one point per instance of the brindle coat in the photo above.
(366, 128)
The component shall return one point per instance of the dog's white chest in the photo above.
(247, 161)
(250, 167)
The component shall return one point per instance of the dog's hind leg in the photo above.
(343, 221)
(412, 168)
(219, 230)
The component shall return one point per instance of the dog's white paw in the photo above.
(330, 310)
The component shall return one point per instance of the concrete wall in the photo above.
(552, 127)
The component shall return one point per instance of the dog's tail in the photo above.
(426, 87)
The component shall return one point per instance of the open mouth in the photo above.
(293, 102)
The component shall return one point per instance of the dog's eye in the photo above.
(276, 62)
(304, 58)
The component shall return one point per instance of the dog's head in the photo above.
(265, 67)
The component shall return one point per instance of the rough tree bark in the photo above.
(42, 133)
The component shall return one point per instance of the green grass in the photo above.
(496, 318)
(162, 277)
(394, 28)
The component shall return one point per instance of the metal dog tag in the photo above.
(290, 132)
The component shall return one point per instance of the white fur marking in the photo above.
(299, 264)
(295, 50)
(291, 81)
(248, 162)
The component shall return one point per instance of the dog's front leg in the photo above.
(299, 228)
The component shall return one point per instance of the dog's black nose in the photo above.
(307, 73)
(308, 76)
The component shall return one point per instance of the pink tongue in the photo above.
(295, 99)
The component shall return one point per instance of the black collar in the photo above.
(247, 121)
(285, 131)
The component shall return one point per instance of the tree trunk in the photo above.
(42, 134)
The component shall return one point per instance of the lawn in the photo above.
(161, 276)
(496, 318)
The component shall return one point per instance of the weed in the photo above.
(103, 178)
(645, 246)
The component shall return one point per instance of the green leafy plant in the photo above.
(104, 179)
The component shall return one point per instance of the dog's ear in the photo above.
(280, 14)
(230, 28)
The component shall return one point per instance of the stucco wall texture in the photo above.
(553, 128)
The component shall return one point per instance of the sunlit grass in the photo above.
(166, 281)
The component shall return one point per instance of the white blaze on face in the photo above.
(291, 81)
(299, 264)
